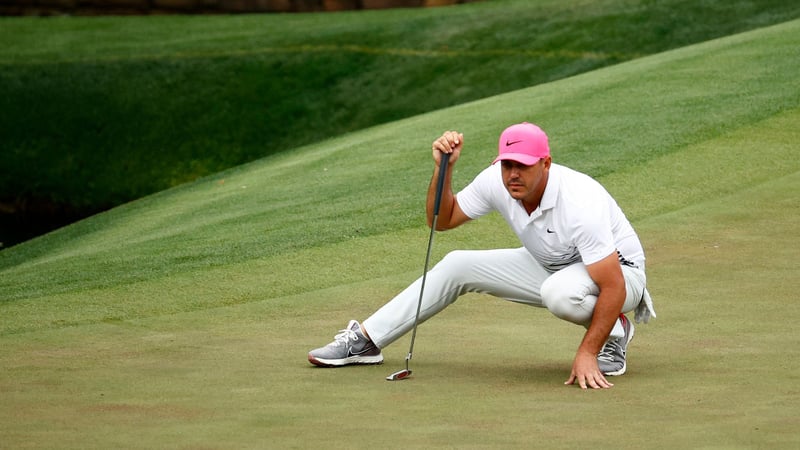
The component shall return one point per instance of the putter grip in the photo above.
(440, 182)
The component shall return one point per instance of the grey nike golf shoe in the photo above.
(350, 346)
(611, 358)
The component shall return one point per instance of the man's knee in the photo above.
(457, 262)
(568, 301)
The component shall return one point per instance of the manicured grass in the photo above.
(95, 112)
(183, 319)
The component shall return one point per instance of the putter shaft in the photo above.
(437, 202)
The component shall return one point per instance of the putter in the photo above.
(405, 373)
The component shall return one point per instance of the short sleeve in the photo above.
(592, 233)
(476, 199)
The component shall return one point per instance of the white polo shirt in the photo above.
(577, 219)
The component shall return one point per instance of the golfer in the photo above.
(580, 258)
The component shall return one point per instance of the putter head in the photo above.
(399, 375)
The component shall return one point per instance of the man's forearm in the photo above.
(446, 205)
(606, 311)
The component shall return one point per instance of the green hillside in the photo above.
(95, 112)
(183, 319)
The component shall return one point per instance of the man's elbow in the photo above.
(441, 225)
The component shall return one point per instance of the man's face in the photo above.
(523, 182)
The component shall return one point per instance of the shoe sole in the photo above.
(365, 360)
(624, 363)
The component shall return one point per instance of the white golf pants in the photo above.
(512, 274)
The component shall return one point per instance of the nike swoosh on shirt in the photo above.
(550, 231)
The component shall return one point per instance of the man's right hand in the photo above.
(449, 142)
(450, 214)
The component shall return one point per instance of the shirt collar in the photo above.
(551, 190)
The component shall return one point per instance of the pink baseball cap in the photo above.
(524, 143)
